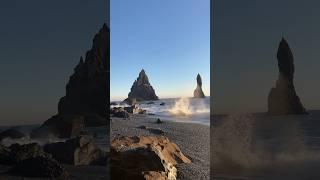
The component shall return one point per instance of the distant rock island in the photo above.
(86, 99)
(141, 90)
(283, 99)
(198, 93)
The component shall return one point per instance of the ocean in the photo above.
(187, 110)
(262, 147)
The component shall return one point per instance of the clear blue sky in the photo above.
(168, 38)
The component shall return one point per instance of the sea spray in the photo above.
(181, 107)
(263, 146)
(189, 106)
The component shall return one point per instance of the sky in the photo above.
(169, 39)
(41, 42)
(246, 35)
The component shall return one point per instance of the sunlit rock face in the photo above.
(282, 98)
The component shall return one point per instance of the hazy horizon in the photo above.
(245, 48)
(170, 40)
(41, 44)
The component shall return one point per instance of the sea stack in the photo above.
(86, 99)
(198, 93)
(141, 90)
(282, 99)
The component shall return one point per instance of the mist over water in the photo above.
(257, 146)
(192, 110)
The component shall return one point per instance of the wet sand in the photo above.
(193, 140)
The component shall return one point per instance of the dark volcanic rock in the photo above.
(86, 92)
(141, 89)
(77, 151)
(60, 126)
(5, 156)
(40, 166)
(87, 89)
(11, 133)
(20, 153)
(283, 99)
(119, 112)
(198, 93)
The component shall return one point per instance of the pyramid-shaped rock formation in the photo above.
(283, 99)
(87, 92)
(141, 89)
(198, 93)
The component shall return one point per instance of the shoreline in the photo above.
(193, 140)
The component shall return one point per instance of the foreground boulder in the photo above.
(145, 157)
(77, 151)
(40, 166)
(86, 92)
(141, 90)
(198, 93)
(29, 160)
(11, 133)
(282, 98)
(20, 153)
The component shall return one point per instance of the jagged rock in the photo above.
(283, 99)
(145, 157)
(198, 93)
(60, 126)
(87, 89)
(77, 151)
(40, 166)
(141, 89)
(86, 93)
(11, 133)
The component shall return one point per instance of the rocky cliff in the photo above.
(282, 98)
(141, 89)
(87, 93)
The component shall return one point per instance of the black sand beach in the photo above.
(193, 140)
